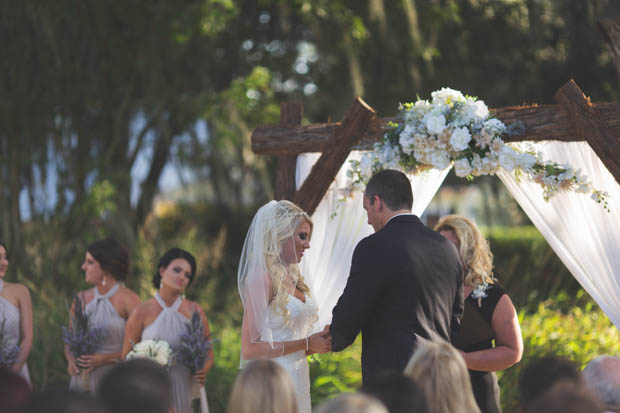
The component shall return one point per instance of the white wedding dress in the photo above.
(300, 324)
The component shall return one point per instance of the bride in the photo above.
(279, 312)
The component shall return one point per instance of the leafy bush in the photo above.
(578, 335)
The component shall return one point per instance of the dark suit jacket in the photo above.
(405, 280)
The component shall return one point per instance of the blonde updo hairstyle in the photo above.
(474, 249)
(284, 276)
(440, 370)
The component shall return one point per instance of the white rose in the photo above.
(435, 123)
(460, 139)
(462, 167)
(526, 160)
(507, 158)
(144, 347)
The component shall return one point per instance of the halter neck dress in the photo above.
(9, 313)
(168, 326)
(102, 314)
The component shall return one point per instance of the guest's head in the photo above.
(136, 385)
(541, 374)
(64, 401)
(4, 259)
(387, 193)
(441, 372)
(602, 377)
(565, 397)
(352, 403)
(263, 386)
(399, 393)
(175, 269)
(105, 259)
(15, 391)
(472, 246)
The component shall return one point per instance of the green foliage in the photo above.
(578, 335)
(529, 270)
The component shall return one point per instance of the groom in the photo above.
(406, 282)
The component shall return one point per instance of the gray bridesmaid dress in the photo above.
(10, 314)
(102, 314)
(168, 326)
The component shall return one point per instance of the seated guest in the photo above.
(399, 393)
(541, 374)
(15, 391)
(602, 377)
(64, 401)
(440, 370)
(566, 397)
(352, 403)
(263, 386)
(136, 385)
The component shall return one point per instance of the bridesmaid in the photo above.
(168, 315)
(16, 312)
(107, 306)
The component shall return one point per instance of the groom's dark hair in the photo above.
(393, 187)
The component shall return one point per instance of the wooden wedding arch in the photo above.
(575, 118)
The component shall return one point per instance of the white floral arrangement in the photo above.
(157, 350)
(454, 129)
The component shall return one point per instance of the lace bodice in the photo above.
(301, 319)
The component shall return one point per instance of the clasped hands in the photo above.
(320, 342)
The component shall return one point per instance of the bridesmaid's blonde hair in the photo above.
(474, 249)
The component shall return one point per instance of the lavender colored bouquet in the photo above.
(80, 337)
(193, 353)
(8, 351)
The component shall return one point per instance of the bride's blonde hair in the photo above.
(284, 276)
(474, 249)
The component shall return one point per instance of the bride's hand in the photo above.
(320, 342)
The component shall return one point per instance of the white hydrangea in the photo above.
(366, 165)
(440, 160)
(460, 139)
(494, 126)
(526, 160)
(445, 96)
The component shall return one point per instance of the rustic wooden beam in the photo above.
(543, 122)
(589, 124)
(291, 115)
(352, 127)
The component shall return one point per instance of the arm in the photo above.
(317, 343)
(72, 367)
(508, 341)
(357, 302)
(133, 330)
(25, 327)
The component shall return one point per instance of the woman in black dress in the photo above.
(490, 337)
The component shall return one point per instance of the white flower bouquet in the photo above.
(157, 350)
(454, 129)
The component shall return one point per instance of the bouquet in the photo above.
(8, 351)
(157, 350)
(80, 337)
(193, 352)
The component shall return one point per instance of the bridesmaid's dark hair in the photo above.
(5, 248)
(112, 257)
(170, 256)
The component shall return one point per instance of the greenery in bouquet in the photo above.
(193, 349)
(80, 337)
(8, 350)
(158, 351)
(454, 129)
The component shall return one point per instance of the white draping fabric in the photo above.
(327, 263)
(583, 235)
